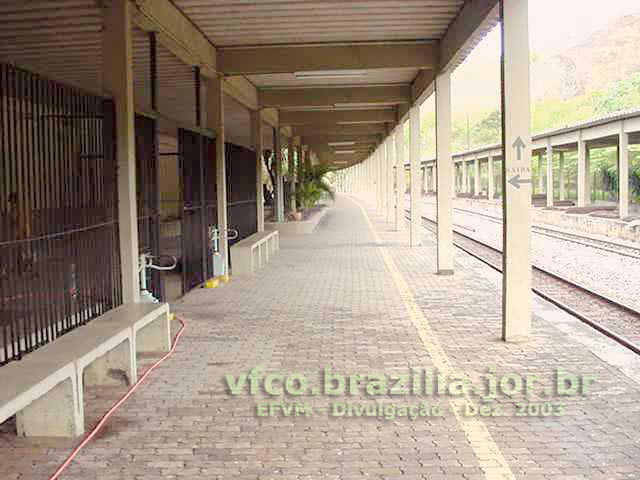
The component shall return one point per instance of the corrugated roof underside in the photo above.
(271, 22)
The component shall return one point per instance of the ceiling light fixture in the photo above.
(329, 74)
(363, 105)
(341, 144)
(345, 152)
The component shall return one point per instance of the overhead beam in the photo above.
(177, 33)
(334, 96)
(337, 116)
(242, 90)
(423, 86)
(310, 130)
(291, 58)
(270, 116)
(325, 139)
(473, 22)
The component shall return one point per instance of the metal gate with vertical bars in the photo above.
(148, 197)
(59, 255)
(197, 161)
(241, 190)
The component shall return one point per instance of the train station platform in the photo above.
(354, 299)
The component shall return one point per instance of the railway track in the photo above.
(607, 246)
(615, 320)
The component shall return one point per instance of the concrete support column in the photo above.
(549, 174)
(117, 82)
(215, 121)
(425, 179)
(583, 175)
(414, 160)
(400, 181)
(456, 183)
(623, 172)
(465, 178)
(476, 176)
(561, 178)
(292, 174)
(256, 140)
(279, 186)
(434, 179)
(391, 198)
(384, 179)
(516, 145)
(445, 174)
(491, 189)
(379, 180)
(540, 174)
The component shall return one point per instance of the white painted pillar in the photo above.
(445, 172)
(425, 179)
(456, 181)
(118, 83)
(476, 176)
(540, 174)
(385, 180)
(582, 173)
(391, 199)
(257, 141)
(400, 181)
(549, 174)
(561, 178)
(215, 121)
(516, 145)
(623, 172)
(279, 186)
(465, 178)
(491, 188)
(292, 178)
(414, 159)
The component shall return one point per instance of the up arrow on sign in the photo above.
(520, 145)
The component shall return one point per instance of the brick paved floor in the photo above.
(328, 299)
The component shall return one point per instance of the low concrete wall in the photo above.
(303, 227)
(587, 224)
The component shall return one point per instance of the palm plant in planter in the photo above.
(312, 186)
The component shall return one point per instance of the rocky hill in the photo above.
(589, 66)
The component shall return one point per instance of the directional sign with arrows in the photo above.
(516, 181)
(520, 146)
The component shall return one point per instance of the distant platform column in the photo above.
(623, 172)
(561, 178)
(549, 173)
(391, 199)
(465, 177)
(425, 179)
(400, 181)
(414, 160)
(583, 174)
(279, 186)
(476, 176)
(444, 175)
(434, 182)
(491, 188)
(516, 145)
(540, 175)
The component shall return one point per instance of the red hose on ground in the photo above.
(117, 405)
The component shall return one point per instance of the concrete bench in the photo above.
(45, 390)
(251, 253)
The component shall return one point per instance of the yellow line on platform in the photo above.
(487, 452)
